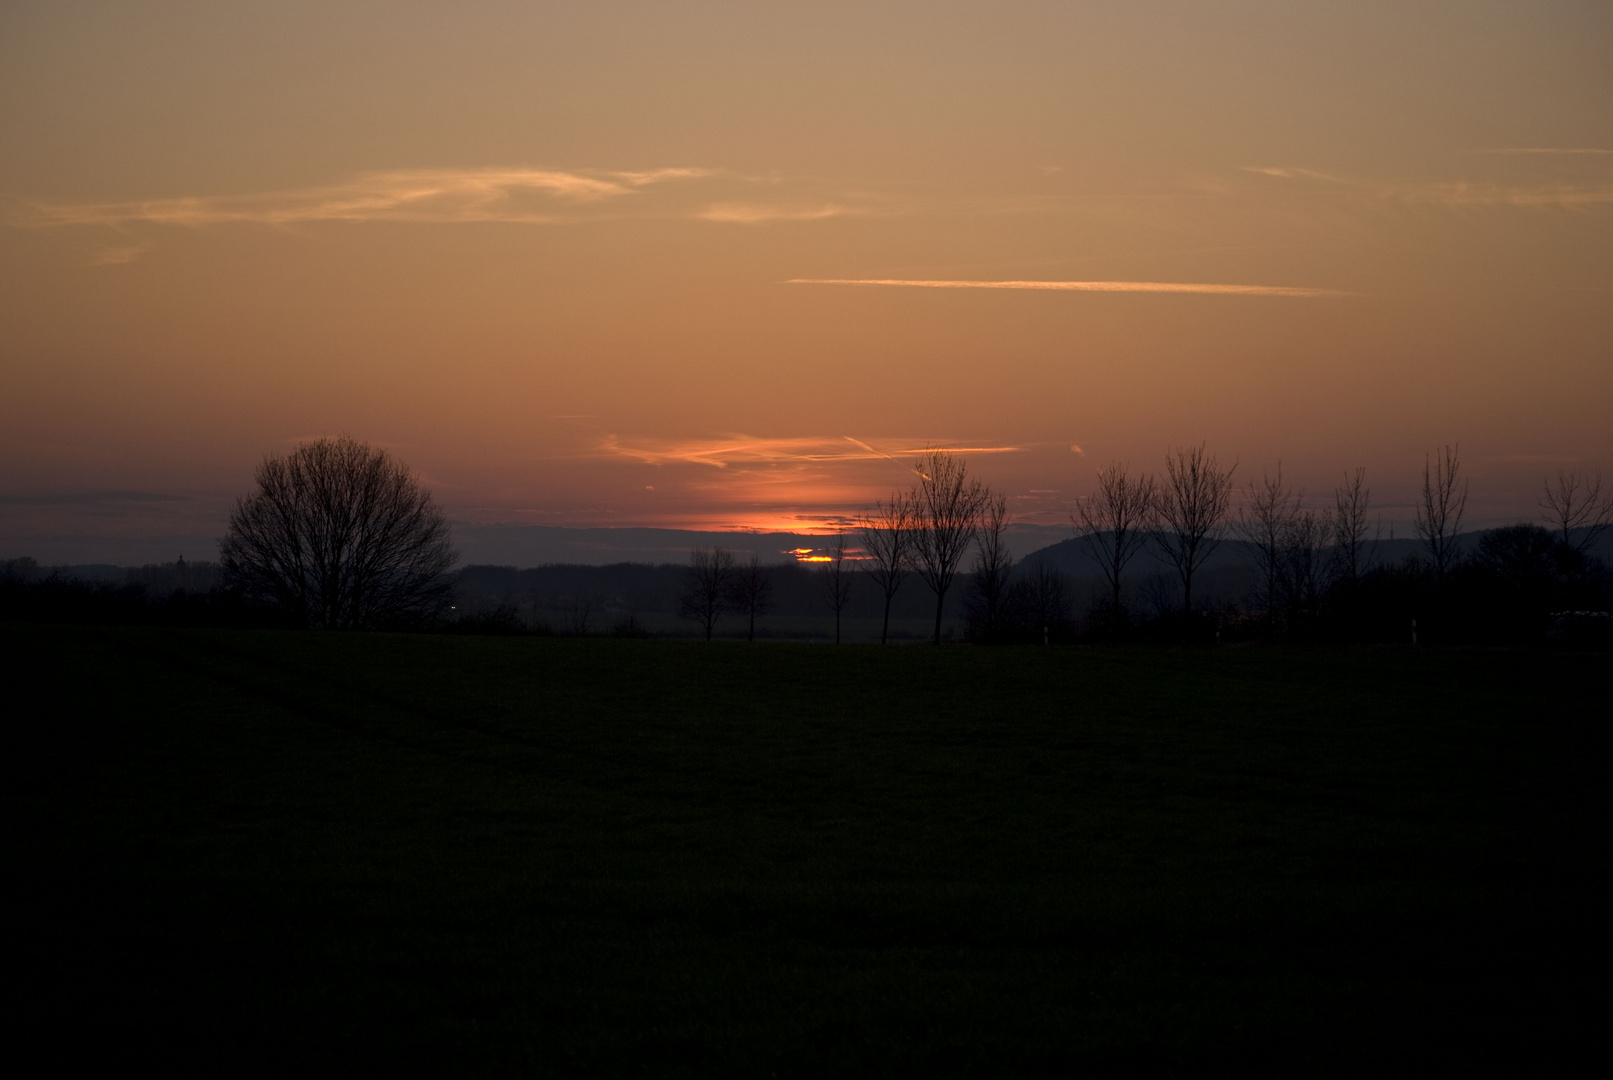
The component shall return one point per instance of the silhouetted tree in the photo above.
(707, 584)
(948, 505)
(1193, 502)
(341, 536)
(1439, 513)
(1351, 501)
(988, 587)
(888, 535)
(750, 593)
(837, 579)
(1114, 523)
(1264, 522)
(1575, 502)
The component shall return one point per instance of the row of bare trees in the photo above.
(716, 584)
(929, 529)
(1184, 516)
(1181, 515)
(1297, 551)
(341, 535)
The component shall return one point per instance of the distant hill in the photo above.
(1071, 556)
(547, 545)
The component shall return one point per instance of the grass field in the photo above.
(617, 856)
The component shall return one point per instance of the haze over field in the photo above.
(718, 265)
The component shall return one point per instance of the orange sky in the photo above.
(621, 264)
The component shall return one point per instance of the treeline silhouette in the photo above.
(160, 594)
(339, 535)
(1512, 585)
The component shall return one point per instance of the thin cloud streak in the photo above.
(1462, 193)
(117, 256)
(1565, 198)
(423, 196)
(1545, 150)
(759, 213)
(1287, 173)
(1093, 286)
(865, 446)
(723, 451)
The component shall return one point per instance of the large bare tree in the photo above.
(1439, 513)
(1193, 503)
(888, 535)
(1575, 502)
(1263, 522)
(988, 587)
(342, 536)
(1351, 501)
(706, 586)
(1114, 523)
(837, 579)
(948, 503)
(750, 593)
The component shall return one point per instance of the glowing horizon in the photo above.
(714, 266)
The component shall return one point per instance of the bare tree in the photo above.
(837, 579)
(750, 593)
(1193, 503)
(1575, 502)
(1439, 515)
(342, 536)
(1351, 501)
(948, 504)
(888, 535)
(988, 588)
(706, 586)
(1264, 522)
(1114, 523)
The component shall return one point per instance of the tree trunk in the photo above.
(940, 603)
(884, 631)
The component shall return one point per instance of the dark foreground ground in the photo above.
(233, 849)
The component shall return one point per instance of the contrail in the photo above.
(1091, 286)
(868, 448)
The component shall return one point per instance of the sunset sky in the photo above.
(725, 265)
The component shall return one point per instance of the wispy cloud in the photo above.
(725, 450)
(1544, 150)
(1461, 194)
(1092, 286)
(1288, 173)
(428, 196)
(1464, 193)
(117, 256)
(759, 213)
